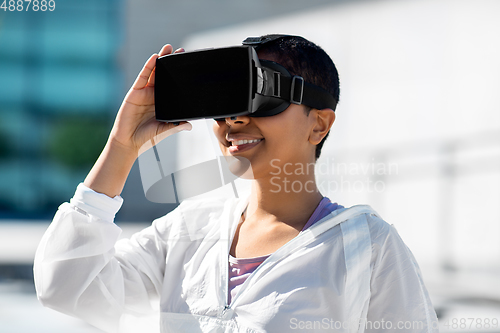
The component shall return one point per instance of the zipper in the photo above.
(227, 232)
(226, 312)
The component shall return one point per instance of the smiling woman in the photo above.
(268, 261)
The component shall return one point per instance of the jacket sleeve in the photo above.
(81, 268)
(399, 301)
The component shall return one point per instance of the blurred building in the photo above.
(59, 91)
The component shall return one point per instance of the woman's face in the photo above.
(272, 141)
(268, 142)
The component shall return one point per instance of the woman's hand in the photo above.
(135, 123)
(134, 131)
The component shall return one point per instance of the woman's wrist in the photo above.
(129, 150)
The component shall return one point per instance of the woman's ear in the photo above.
(323, 122)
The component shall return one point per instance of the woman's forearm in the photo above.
(110, 172)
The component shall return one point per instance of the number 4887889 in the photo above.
(24, 5)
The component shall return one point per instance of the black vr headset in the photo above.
(229, 82)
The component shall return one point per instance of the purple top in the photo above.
(241, 268)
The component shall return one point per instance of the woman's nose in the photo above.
(231, 121)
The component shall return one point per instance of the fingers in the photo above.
(165, 50)
(144, 75)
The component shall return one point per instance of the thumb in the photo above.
(184, 127)
(168, 130)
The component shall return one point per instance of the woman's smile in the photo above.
(238, 146)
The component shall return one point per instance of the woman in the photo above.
(282, 259)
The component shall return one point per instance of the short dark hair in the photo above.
(304, 58)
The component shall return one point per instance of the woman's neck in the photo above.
(285, 197)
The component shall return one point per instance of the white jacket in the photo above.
(349, 265)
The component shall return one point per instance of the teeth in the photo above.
(242, 142)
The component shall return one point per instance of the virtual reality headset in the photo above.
(229, 82)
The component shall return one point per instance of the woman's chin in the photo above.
(239, 166)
